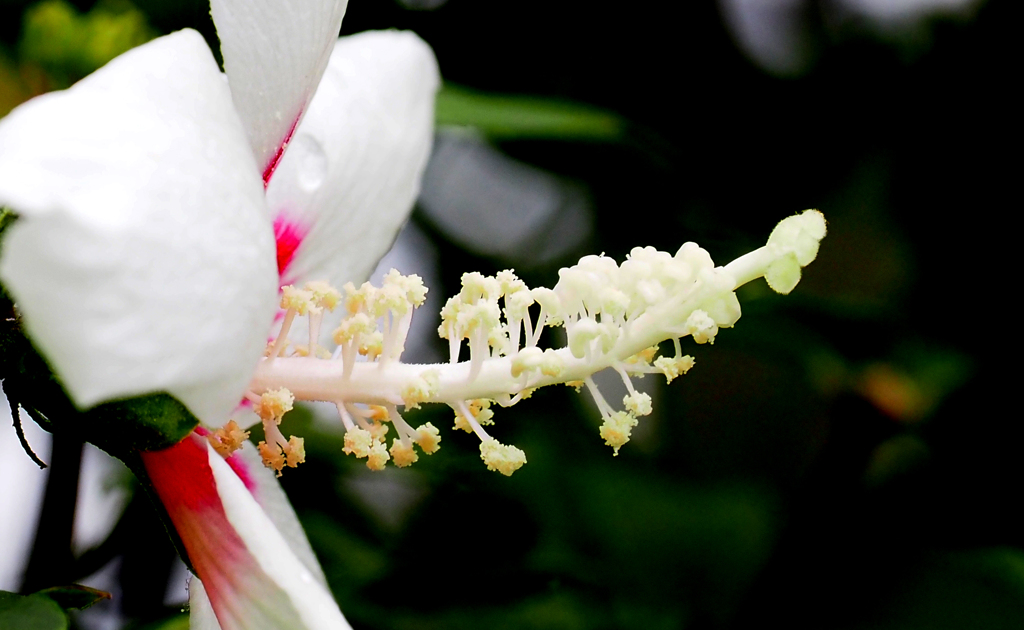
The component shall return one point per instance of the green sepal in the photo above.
(75, 596)
(144, 423)
(31, 612)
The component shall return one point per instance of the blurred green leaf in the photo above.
(69, 45)
(75, 596)
(981, 588)
(12, 88)
(30, 612)
(177, 622)
(350, 563)
(509, 117)
(558, 611)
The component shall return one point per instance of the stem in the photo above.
(51, 562)
(20, 430)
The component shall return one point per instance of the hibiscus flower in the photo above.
(163, 203)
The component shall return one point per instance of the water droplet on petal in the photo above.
(312, 162)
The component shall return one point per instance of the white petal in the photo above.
(275, 52)
(265, 488)
(200, 611)
(354, 167)
(312, 602)
(143, 260)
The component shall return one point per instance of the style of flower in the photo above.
(161, 209)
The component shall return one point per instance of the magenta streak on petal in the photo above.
(241, 468)
(289, 236)
(268, 172)
(236, 584)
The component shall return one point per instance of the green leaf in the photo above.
(30, 612)
(177, 622)
(70, 45)
(979, 588)
(508, 117)
(75, 596)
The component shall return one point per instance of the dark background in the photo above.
(845, 458)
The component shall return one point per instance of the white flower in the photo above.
(145, 259)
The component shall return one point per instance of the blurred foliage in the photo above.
(844, 458)
(58, 46)
(512, 117)
(31, 612)
(74, 596)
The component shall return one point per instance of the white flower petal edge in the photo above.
(275, 52)
(200, 610)
(265, 488)
(353, 169)
(144, 260)
(313, 603)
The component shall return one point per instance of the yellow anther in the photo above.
(672, 367)
(353, 326)
(526, 393)
(358, 442)
(378, 457)
(378, 413)
(462, 423)
(272, 457)
(270, 347)
(296, 299)
(616, 429)
(449, 319)
(644, 357)
(403, 455)
(527, 359)
(517, 304)
(483, 314)
(476, 286)
(578, 385)
(227, 440)
(505, 459)
(551, 364)
(419, 389)
(638, 403)
(303, 351)
(498, 340)
(411, 285)
(481, 412)
(274, 404)
(295, 452)
(701, 326)
(379, 431)
(548, 300)
(372, 345)
(361, 299)
(429, 438)
(323, 294)
(392, 298)
(509, 283)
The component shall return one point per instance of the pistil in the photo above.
(614, 315)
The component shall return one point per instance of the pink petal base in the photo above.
(238, 588)
(289, 235)
(268, 170)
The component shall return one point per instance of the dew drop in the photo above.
(312, 162)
